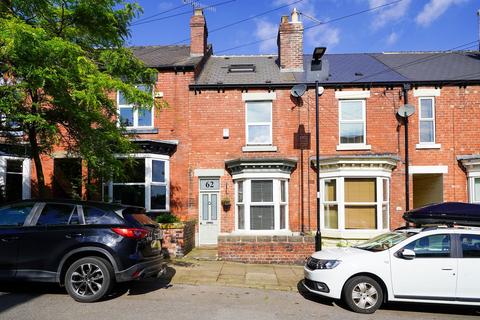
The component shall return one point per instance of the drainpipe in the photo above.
(406, 87)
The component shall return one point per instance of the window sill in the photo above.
(259, 149)
(142, 130)
(352, 234)
(261, 233)
(353, 146)
(428, 146)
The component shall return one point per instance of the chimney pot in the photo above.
(198, 12)
(284, 19)
(295, 18)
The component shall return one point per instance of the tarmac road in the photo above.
(157, 299)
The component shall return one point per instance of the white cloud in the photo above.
(165, 5)
(266, 31)
(434, 9)
(388, 14)
(323, 35)
(392, 38)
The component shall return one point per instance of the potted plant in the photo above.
(226, 203)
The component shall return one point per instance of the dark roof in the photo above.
(216, 71)
(362, 68)
(166, 56)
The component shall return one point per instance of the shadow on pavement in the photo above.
(143, 286)
(13, 294)
(397, 306)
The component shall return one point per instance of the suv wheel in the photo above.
(363, 294)
(89, 279)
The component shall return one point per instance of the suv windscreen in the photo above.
(384, 241)
(15, 214)
(95, 215)
(56, 214)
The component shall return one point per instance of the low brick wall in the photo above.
(266, 249)
(178, 238)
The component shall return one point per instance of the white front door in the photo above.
(209, 211)
(468, 266)
(432, 274)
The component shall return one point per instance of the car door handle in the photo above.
(447, 269)
(73, 235)
(8, 239)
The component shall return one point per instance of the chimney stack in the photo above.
(198, 33)
(290, 43)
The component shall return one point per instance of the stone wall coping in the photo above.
(259, 238)
(176, 225)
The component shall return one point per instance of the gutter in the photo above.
(335, 85)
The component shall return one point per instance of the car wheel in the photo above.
(363, 294)
(89, 279)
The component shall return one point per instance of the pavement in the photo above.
(201, 267)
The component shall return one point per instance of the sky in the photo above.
(405, 25)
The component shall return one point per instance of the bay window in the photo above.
(146, 184)
(261, 204)
(355, 203)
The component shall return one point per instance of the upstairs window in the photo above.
(259, 122)
(427, 120)
(132, 117)
(352, 125)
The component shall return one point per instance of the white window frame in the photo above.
(148, 183)
(471, 187)
(363, 121)
(247, 203)
(26, 174)
(421, 119)
(340, 200)
(258, 123)
(135, 111)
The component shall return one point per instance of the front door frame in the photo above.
(213, 190)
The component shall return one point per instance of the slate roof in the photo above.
(349, 69)
(165, 56)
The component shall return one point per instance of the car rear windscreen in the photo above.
(138, 216)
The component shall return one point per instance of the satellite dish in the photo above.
(406, 110)
(298, 90)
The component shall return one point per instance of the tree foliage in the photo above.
(61, 61)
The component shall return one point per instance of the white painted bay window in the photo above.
(475, 190)
(146, 184)
(131, 116)
(259, 122)
(427, 120)
(261, 205)
(355, 203)
(352, 122)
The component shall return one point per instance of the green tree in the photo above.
(61, 61)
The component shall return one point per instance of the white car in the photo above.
(434, 265)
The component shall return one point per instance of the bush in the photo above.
(167, 218)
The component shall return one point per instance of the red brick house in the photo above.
(234, 133)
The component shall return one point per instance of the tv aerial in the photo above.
(198, 5)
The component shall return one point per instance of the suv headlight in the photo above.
(315, 264)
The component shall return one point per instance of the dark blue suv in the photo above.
(84, 246)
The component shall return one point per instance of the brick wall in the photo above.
(265, 249)
(178, 238)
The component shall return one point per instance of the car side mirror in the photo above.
(407, 254)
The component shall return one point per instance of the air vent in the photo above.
(241, 68)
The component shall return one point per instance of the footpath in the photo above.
(200, 268)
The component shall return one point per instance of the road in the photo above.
(149, 299)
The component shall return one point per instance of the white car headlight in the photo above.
(315, 264)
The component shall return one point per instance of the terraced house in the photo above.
(236, 150)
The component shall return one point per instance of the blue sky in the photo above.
(408, 25)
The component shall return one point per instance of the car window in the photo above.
(15, 214)
(54, 214)
(434, 246)
(98, 216)
(470, 245)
